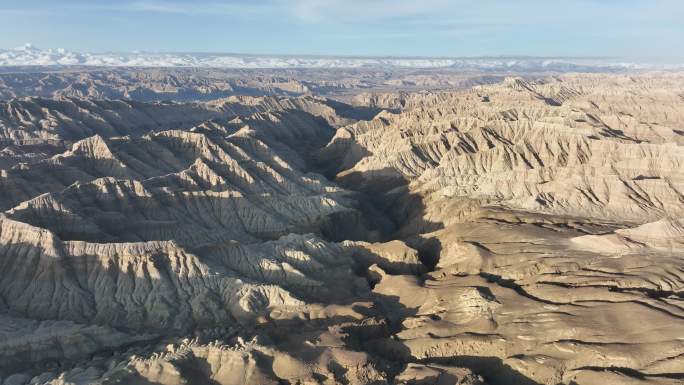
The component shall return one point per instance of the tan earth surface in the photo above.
(523, 232)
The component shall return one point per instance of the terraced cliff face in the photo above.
(551, 212)
(150, 222)
(518, 233)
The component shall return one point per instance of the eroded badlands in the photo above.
(523, 232)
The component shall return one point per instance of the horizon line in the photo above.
(349, 56)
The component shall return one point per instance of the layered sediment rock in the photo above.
(551, 211)
(527, 232)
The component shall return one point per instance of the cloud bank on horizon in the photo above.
(29, 55)
(625, 28)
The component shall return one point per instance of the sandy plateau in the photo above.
(199, 228)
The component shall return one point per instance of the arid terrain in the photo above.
(357, 226)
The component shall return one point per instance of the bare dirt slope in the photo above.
(526, 232)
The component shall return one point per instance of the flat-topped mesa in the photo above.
(665, 235)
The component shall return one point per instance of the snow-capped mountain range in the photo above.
(29, 55)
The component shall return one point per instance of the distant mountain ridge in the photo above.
(29, 55)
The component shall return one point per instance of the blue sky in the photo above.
(626, 28)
